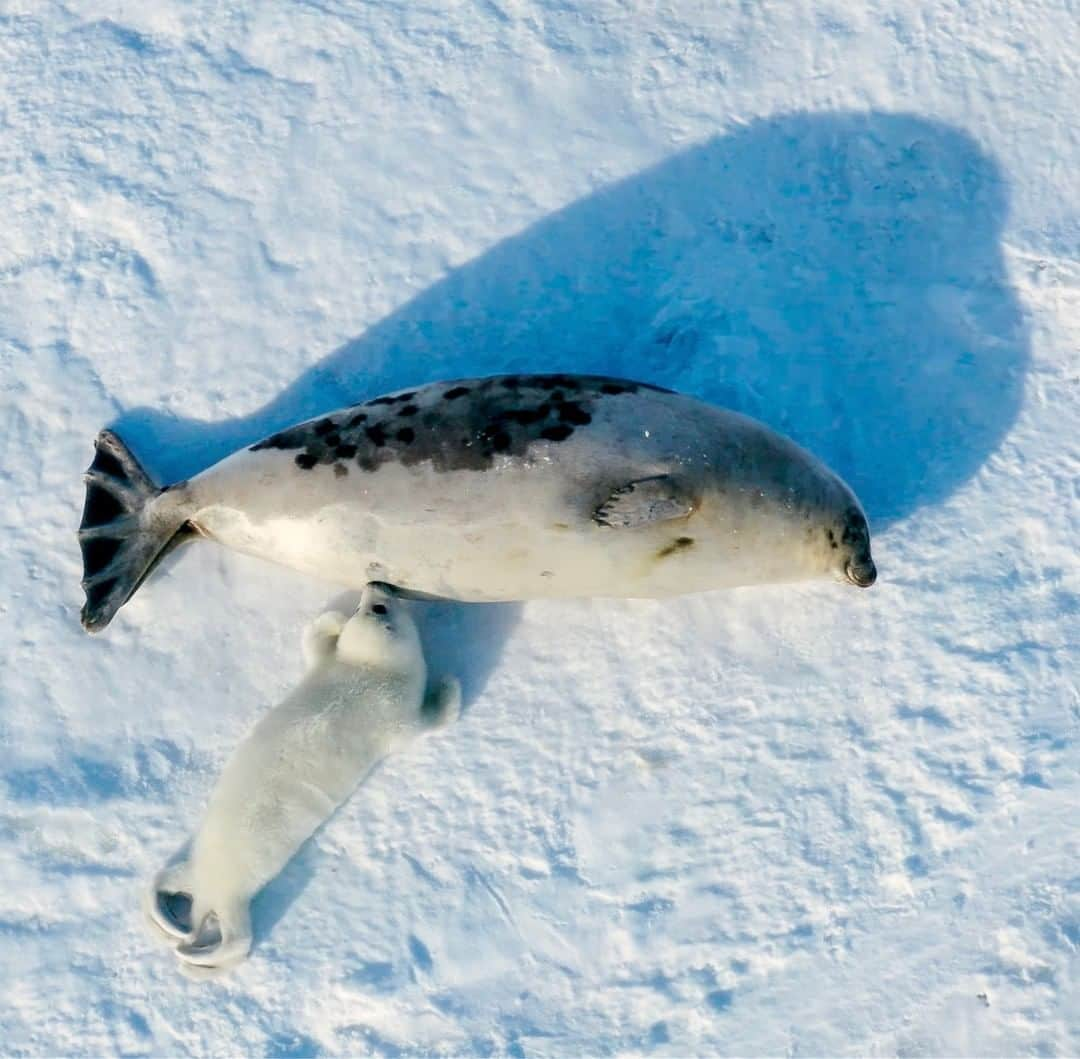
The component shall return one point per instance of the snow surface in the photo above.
(794, 820)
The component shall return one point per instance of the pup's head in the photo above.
(381, 633)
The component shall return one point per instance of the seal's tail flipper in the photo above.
(127, 529)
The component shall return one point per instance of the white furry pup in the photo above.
(363, 697)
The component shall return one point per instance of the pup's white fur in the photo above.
(362, 697)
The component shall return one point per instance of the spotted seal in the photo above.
(503, 488)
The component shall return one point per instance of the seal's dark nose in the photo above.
(863, 573)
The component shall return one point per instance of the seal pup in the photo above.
(362, 698)
(504, 488)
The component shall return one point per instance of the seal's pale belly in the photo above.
(503, 551)
(500, 560)
(521, 530)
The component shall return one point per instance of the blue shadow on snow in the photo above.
(836, 275)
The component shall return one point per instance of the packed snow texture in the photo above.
(786, 820)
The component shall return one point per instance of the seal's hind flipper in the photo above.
(645, 501)
(127, 528)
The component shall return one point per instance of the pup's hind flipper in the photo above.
(442, 704)
(167, 904)
(197, 973)
(222, 940)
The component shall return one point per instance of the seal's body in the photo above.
(505, 488)
(362, 698)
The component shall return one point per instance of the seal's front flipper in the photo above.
(646, 500)
(128, 526)
(442, 704)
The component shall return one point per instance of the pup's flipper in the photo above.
(321, 636)
(167, 904)
(222, 940)
(442, 704)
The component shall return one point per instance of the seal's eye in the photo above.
(379, 608)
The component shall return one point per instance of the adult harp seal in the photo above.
(503, 488)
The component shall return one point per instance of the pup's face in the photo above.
(381, 632)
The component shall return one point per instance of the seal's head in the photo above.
(381, 633)
(849, 540)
